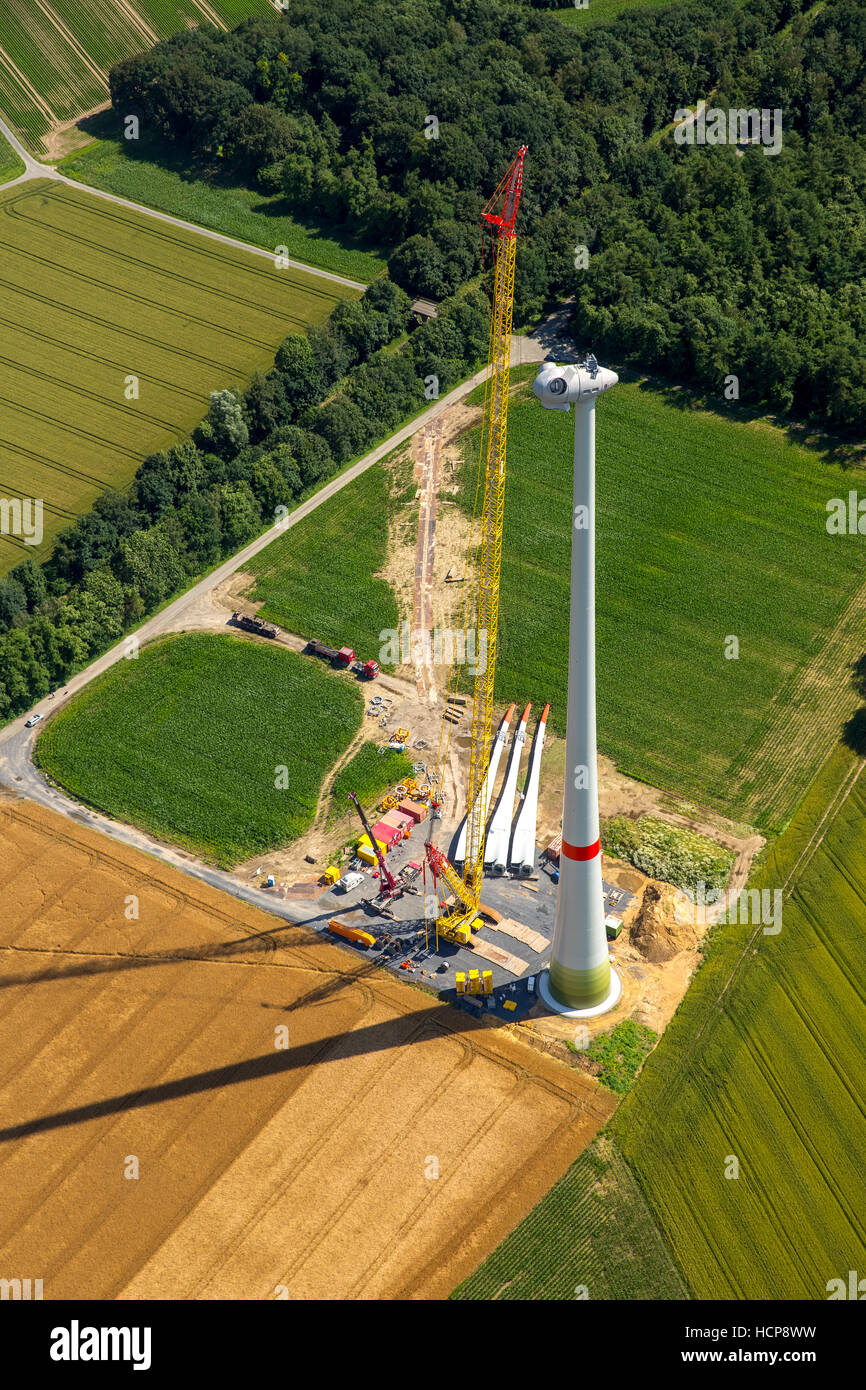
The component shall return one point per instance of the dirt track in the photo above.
(259, 1167)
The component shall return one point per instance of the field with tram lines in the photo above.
(55, 55)
(184, 314)
(592, 1236)
(764, 1061)
(707, 528)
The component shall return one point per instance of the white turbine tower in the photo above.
(580, 982)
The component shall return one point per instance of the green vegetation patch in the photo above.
(707, 527)
(368, 774)
(227, 207)
(660, 850)
(10, 163)
(763, 1062)
(100, 301)
(593, 1236)
(188, 740)
(319, 579)
(605, 11)
(620, 1054)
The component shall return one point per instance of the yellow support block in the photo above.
(461, 982)
(474, 982)
(510, 1005)
(487, 982)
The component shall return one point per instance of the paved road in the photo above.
(17, 770)
(194, 610)
(35, 170)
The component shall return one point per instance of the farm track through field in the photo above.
(772, 771)
(665, 1098)
(27, 86)
(184, 314)
(66, 469)
(159, 235)
(79, 350)
(181, 314)
(77, 48)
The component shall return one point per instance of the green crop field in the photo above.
(55, 55)
(764, 1062)
(319, 579)
(10, 165)
(187, 741)
(604, 11)
(707, 529)
(245, 213)
(592, 1237)
(368, 774)
(182, 313)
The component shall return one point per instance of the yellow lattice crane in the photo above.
(481, 602)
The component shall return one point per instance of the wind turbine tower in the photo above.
(580, 981)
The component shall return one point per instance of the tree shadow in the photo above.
(854, 729)
(834, 448)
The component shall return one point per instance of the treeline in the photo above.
(397, 121)
(331, 392)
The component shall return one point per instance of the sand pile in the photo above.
(655, 931)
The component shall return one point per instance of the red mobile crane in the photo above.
(388, 885)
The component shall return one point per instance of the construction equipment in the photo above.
(344, 658)
(388, 885)
(480, 611)
(356, 934)
(257, 625)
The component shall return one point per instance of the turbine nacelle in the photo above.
(558, 388)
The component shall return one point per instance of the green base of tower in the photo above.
(580, 989)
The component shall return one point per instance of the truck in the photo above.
(257, 625)
(344, 658)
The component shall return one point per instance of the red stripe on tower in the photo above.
(581, 851)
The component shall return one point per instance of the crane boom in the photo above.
(499, 216)
(388, 885)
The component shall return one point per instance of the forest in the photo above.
(397, 120)
(332, 392)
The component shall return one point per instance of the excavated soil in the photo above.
(655, 931)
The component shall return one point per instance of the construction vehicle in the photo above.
(253, 624)
(480, 597)
(356, 934)
(342, 657)
(388, 885)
